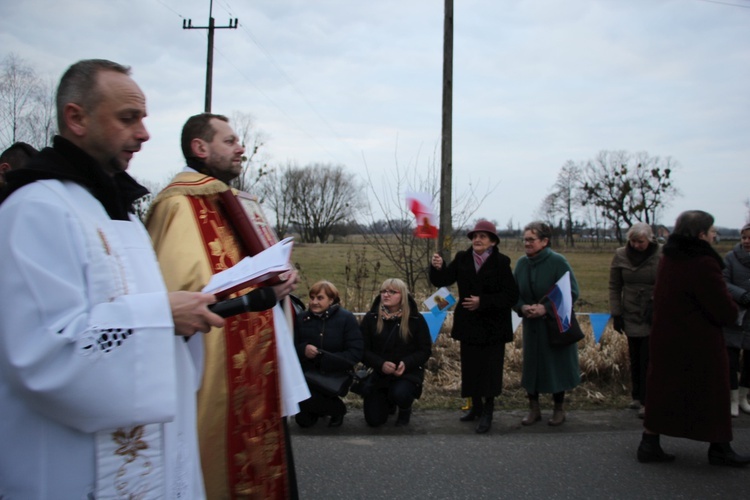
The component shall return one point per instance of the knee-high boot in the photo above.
(744, 405)
(735, 402)
(485, 420)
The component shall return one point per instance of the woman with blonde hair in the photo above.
(397, 346)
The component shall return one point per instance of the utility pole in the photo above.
(445, 236)
(188, 25)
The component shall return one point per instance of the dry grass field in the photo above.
(358, 271)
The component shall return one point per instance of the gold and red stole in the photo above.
(255, 454)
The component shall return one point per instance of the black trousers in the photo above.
(399, 392)
(734, 367)
(322, 404)
(638, 352)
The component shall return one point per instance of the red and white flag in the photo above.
(420, 205)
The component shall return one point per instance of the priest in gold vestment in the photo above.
(250, 382)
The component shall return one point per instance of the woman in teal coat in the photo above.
(546, 369)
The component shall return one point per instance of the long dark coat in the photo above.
(497, 291)
(688, 376)
(484, 332)
(545, 369)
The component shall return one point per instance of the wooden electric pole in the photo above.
(188, 25)
(445, 239)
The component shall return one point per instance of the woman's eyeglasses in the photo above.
(389, 292)
(530, 240)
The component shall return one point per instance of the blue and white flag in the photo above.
(561, 299)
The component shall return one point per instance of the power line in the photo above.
(268, 98)
(187, 24)
(283, 73)
(229, 9)
(170, 8)
(727, 3)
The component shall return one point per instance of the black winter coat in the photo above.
(389, 346)
(335, 332)
(496, 288)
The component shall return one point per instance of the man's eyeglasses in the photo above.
(389, 292)
(530, 240)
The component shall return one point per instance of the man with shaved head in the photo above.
(97, 376)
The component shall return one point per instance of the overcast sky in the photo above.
(359, 83)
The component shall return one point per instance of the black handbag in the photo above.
(365, 378)
(364, 382)
(333, 384)
(558, 338)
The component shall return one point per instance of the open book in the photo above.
(271, 262)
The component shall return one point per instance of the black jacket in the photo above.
(497, 291)
(389, 346)
(335, 332)
(66, 161)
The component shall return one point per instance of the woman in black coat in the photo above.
(328, 340)
(482, 320)
(397, 346)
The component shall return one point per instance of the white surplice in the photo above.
(97, 394)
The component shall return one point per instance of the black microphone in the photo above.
(259, 299)
(231, 307)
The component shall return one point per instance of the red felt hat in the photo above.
(484, 226)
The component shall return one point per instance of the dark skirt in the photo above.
(482, 370)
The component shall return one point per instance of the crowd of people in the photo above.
(117, 368)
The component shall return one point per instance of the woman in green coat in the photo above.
(546, 369)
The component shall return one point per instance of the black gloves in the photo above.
(745, 299)
(618, 324)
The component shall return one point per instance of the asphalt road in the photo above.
(592, 455)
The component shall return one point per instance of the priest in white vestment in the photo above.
(97, 365)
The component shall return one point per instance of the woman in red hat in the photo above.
(482, 320)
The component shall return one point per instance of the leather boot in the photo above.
(558, 415)
(474, 412)
(744, 405)
(404, 415)
(650, 450)
(535, 415)
(723, 454)
(735, 402)
(485, 420)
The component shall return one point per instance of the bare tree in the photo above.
(628, 188)
(567, 188)
(41, 120)
(747, 205)
(19, 86)
(254, 165)
(408, 254)
(549, 208)
(275, 192)
(315, 199)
